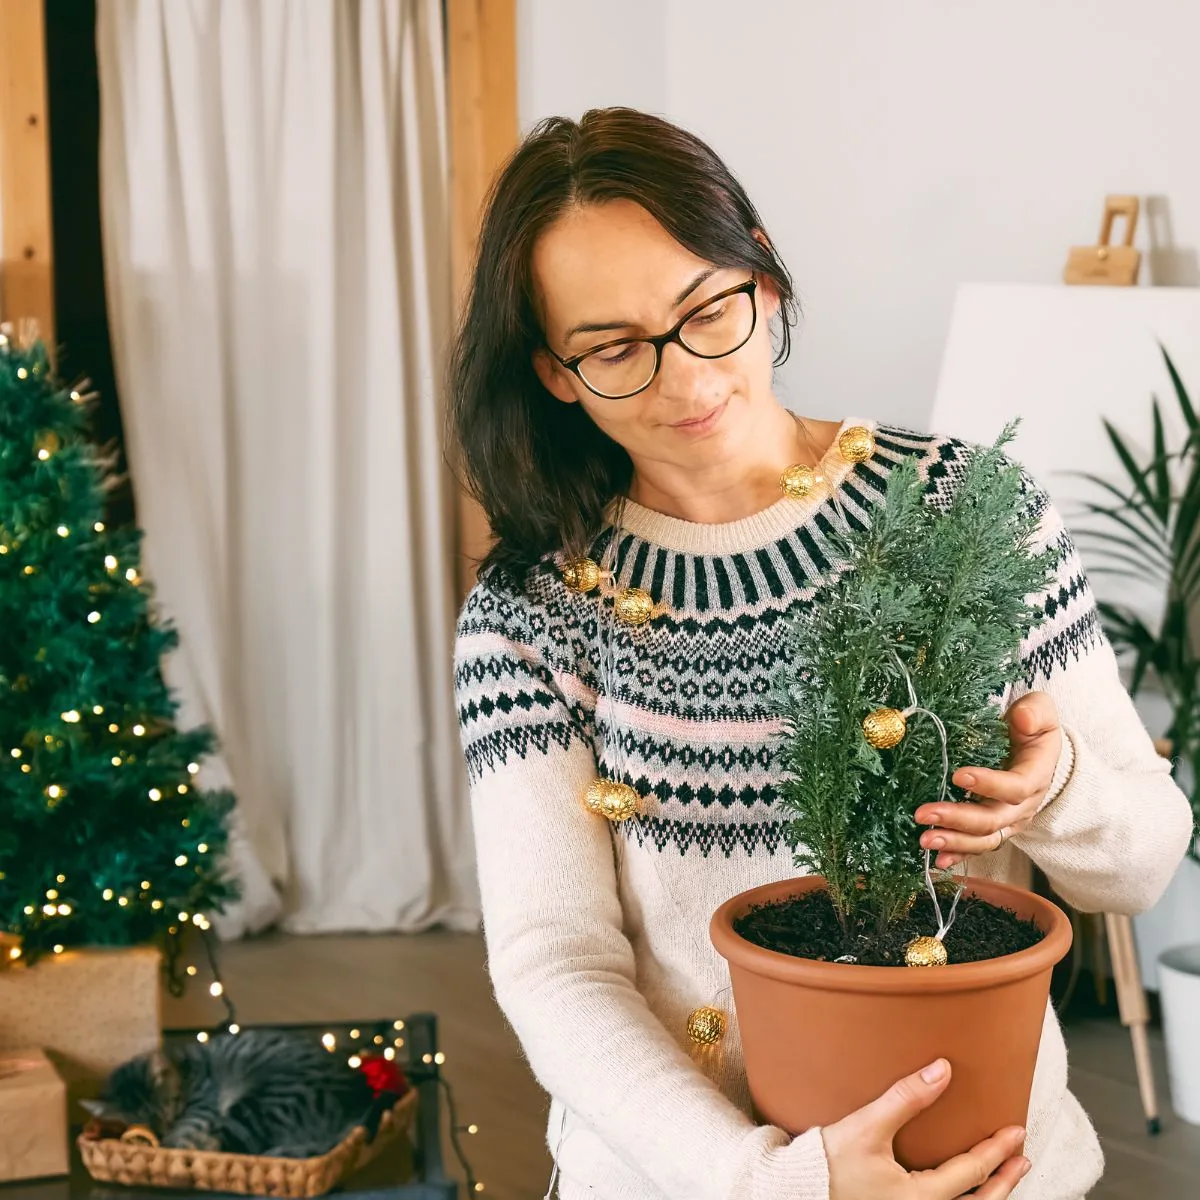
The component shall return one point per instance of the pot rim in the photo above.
(850, 977)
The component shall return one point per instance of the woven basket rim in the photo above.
(357, 1135)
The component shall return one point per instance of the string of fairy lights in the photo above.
(62, 900)
(56, 904)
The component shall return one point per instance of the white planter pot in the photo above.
(1173, 921)
(1179, 977)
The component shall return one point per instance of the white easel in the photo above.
(1062, 358)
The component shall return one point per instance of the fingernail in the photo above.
(935, 1072)
(967, 780)
(1025, 1166)
(937, 843)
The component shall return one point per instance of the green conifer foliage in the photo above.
(104, 837)
(944, 593)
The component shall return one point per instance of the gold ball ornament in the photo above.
(926, 952)
(634, 606)
(856, 444)
(706, 1025)
(580, 574)
(885, 728)
(798, 481)
(611, 800)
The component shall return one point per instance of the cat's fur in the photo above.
(264, 1092)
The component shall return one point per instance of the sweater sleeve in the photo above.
(1115, 825)
(562, 969)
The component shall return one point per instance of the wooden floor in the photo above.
(281, 978)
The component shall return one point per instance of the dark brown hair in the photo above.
(542, 471)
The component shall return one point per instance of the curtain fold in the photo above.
(274, 202)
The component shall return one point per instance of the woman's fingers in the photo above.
(1000, 1186)
(975, 820)
(993, 1167)
(1018, 782)
(962, 845)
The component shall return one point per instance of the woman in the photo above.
(612, 400)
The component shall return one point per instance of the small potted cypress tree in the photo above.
(895, 679)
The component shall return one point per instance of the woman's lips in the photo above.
(701, 424)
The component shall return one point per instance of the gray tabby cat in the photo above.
(258, 1092)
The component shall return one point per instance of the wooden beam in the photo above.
(481, 54)
(26, 249)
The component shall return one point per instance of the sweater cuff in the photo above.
(784, 1168)
(1062, 772)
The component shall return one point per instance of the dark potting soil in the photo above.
(806, 927)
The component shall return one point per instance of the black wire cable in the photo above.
(211, 954)
(454, 1127)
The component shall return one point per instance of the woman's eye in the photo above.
(615, 354)
(708, 316)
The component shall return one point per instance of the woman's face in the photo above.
(613, 265)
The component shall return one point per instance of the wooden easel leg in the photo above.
(1135, 1013)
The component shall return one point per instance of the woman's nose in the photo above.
(681, 374)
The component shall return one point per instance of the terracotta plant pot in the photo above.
(822, 1039)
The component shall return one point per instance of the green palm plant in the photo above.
(1149, 530)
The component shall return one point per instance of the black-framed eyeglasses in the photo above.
(622, 368)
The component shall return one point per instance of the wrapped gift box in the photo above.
(33, 1117)
(89, 1009)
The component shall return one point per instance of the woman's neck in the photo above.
(739, 488)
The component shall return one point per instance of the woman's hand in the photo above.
(863, 1167)
(1009, 799)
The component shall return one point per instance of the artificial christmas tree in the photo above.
(105, 839)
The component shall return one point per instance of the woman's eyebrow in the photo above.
(603, 326)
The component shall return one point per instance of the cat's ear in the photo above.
(160, 1068)
(103, 1110)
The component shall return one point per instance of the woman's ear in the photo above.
(554, 379)
(770, 301)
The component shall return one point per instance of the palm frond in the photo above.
(1153, 556)
(1185, 403)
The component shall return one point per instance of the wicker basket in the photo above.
(137, 1159)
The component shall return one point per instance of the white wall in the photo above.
(899, 147)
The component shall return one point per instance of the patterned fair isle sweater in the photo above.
(597, 969)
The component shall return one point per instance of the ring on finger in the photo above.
(1003, 837)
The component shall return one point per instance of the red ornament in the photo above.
(383, 1075)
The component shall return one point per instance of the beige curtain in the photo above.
(274, 196)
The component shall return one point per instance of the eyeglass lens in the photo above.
(718, 329)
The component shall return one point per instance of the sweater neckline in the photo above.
(759, 529)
